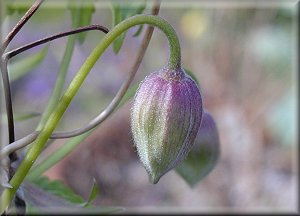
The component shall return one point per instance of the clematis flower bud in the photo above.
(204, 155)
(165, 118)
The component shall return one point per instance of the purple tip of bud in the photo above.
(204, 155)
(165, 118)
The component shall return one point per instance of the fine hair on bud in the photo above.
(165, 118)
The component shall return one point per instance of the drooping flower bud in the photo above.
(204, 154)
(166, 115)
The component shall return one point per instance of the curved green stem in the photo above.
(39, 143)
(58, 88)
(71, 144)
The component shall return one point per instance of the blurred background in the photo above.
(244, 55)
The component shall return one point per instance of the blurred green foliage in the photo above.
(86, 10)
(22, 66)
(121, 11)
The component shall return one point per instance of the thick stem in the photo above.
(103, 115)
(71, 144)
(96, 121)
(39, 143)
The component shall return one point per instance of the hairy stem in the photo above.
(96, 121)
(71, 144)
(53, 120)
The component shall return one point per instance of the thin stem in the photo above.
(10, 149)
(53, 120)
(54, 158)
(21, 143)
(17, 51)
(7, 93)
(6, 84)
(113, 104)
(8, 104)
(59, 84)
(21, 23)
(174, 63)
(3, 63)
(71, 144)
(18, 144)
(9, 110)
(96, 121)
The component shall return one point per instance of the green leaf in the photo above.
(38, 197)
(93, 194)
(85, 10)
(58, 188)
(57, 156)
(117, 18)
(71, 144)
(40, 201)
(25, 116)
(204, 155)
(122, 11)
(18, 117)
(85, 19)
(21, 67)
(138, 32)
(19, 7)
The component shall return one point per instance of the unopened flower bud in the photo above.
(165, 118)
(204, 155)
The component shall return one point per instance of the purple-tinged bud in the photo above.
(204, 155)
(166, 116)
